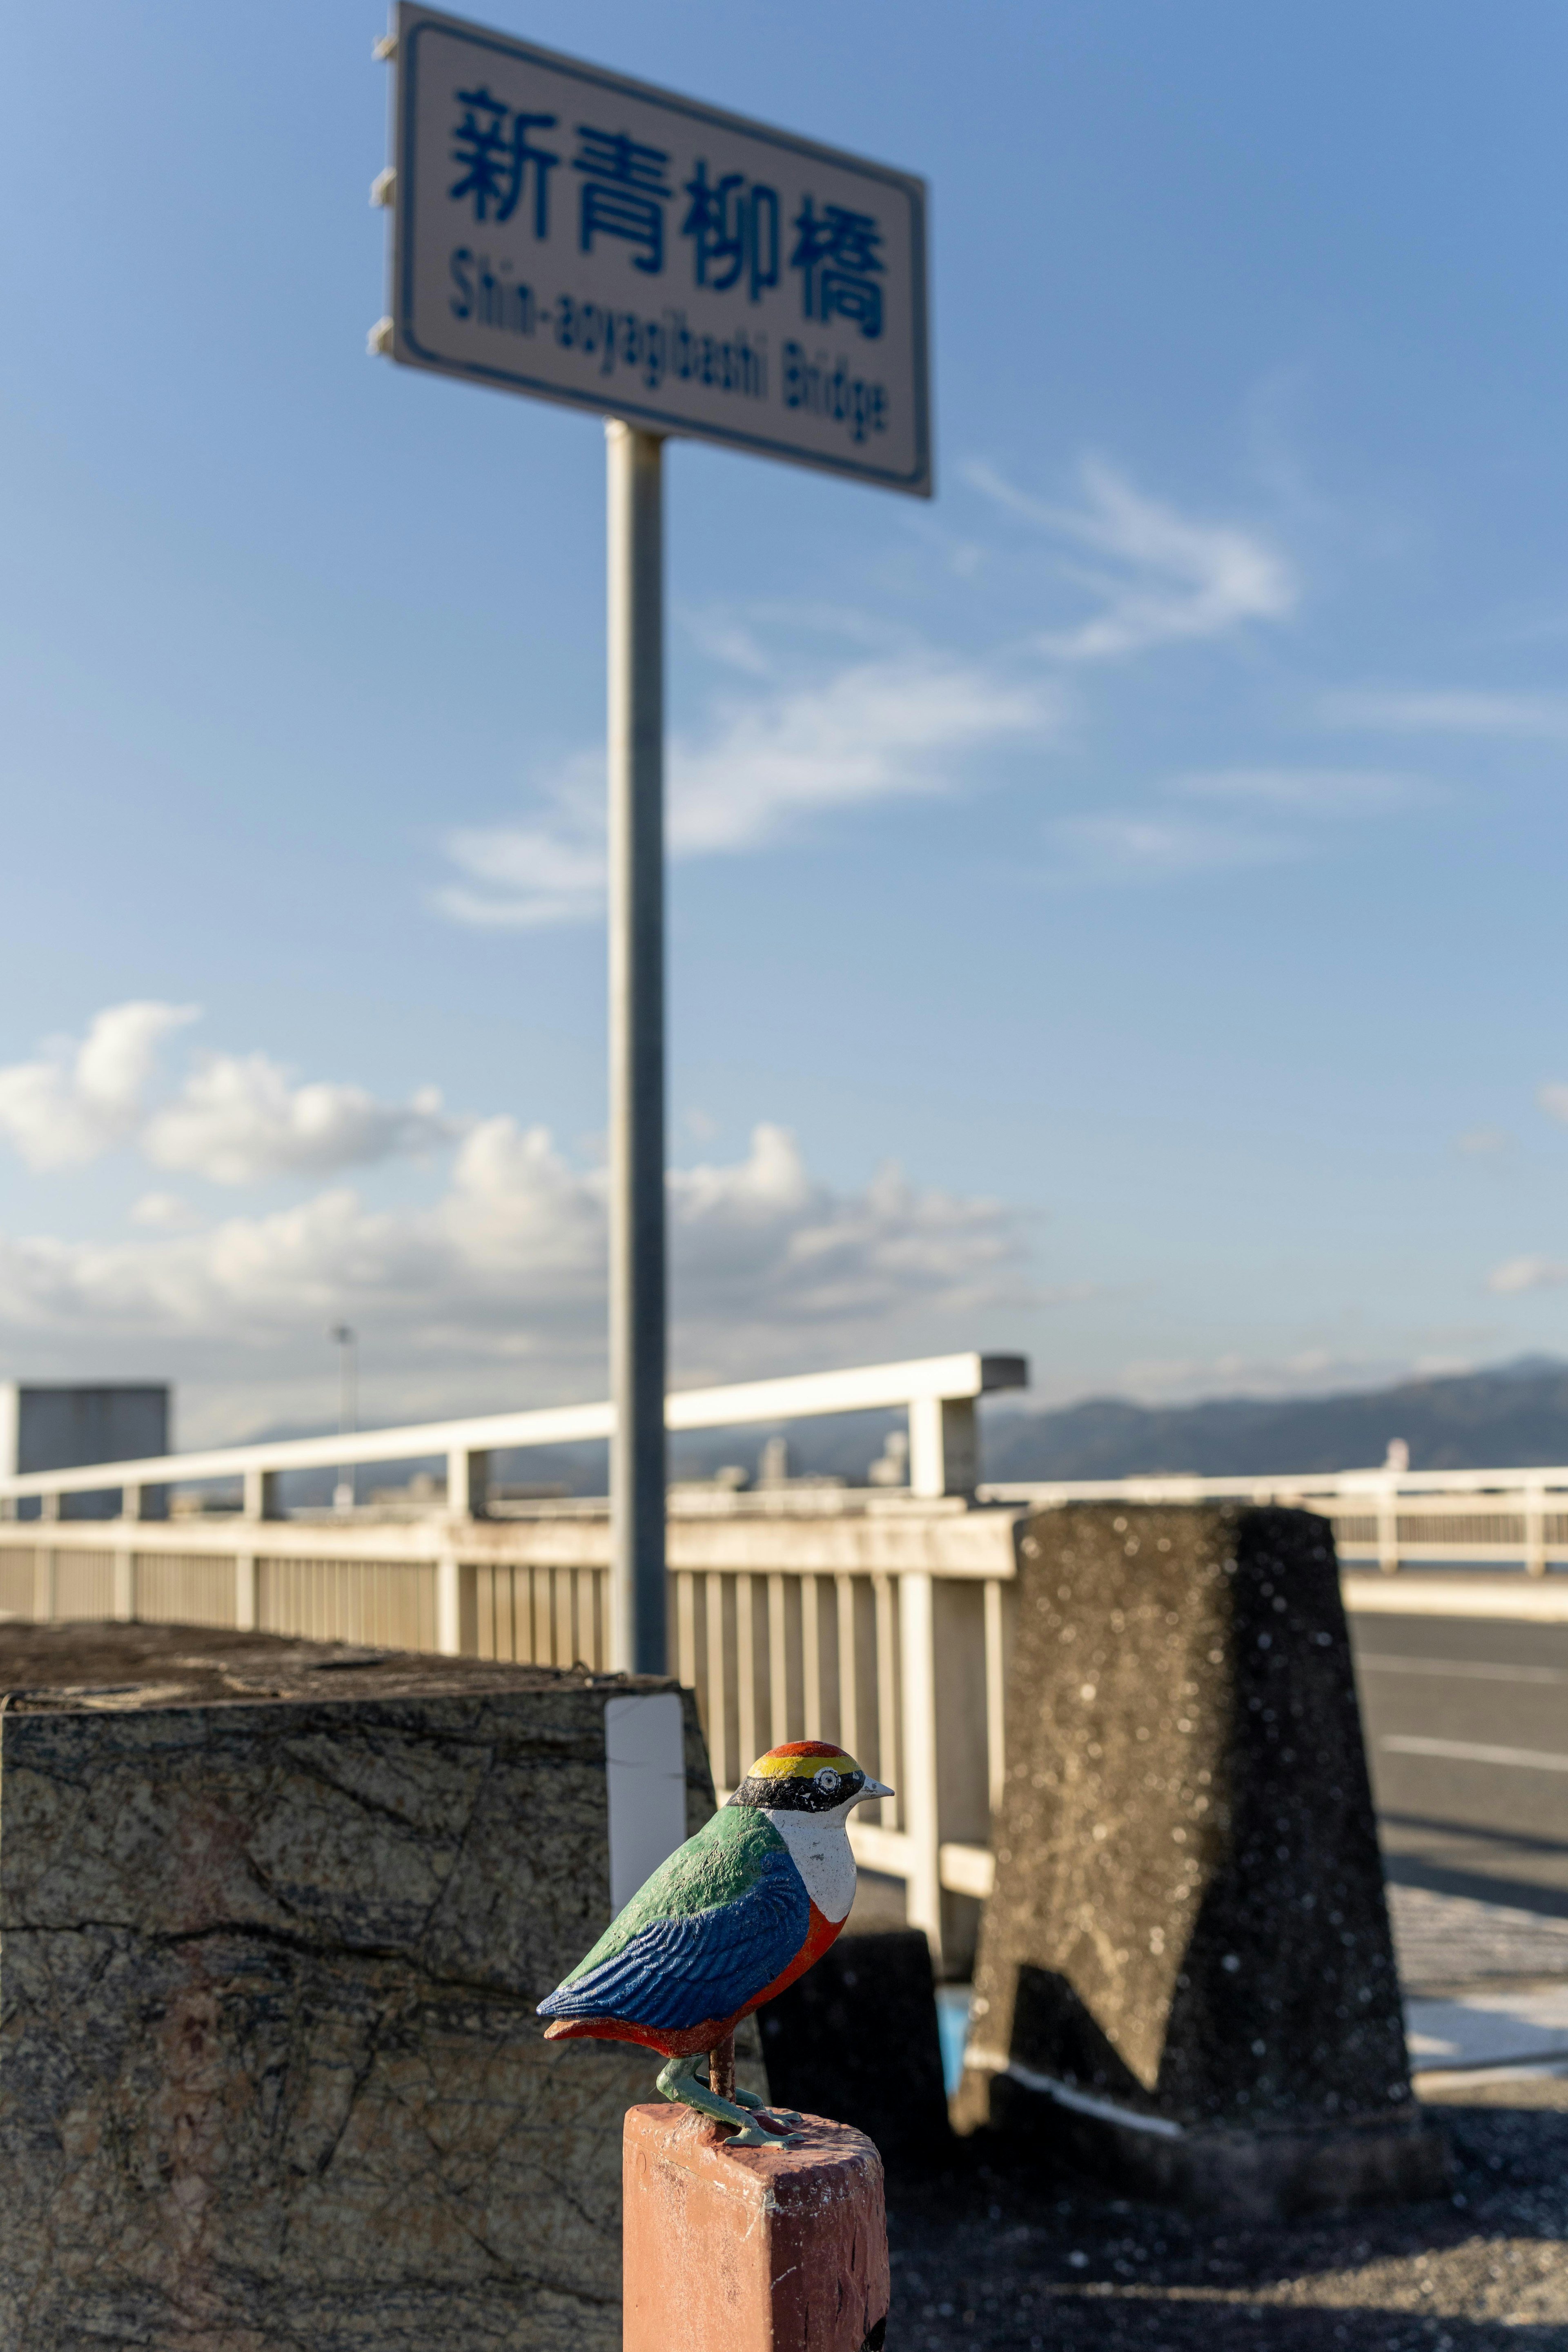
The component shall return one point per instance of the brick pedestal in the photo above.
(751, 2249)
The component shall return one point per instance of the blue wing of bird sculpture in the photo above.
(678, 1972)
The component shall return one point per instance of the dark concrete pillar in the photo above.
(1186, 1979)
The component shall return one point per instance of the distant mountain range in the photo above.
(1511, 1415)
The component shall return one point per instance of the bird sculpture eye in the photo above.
(827, 1781)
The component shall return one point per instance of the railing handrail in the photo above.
(798, 1396)
(1404, 1485)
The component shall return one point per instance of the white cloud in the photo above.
(236, 1119)
(550, 870)
(1517, 1274)
(1484, 1142)
(1553, 1096)
(896, 724)
(1151, 847)
(771, 1266)
(165, 1213)
(1333, 792)
(901, 721)
(1168, 579)
(1307, 1372)
(1538, 717)
(1240, 824)
(81, 1099)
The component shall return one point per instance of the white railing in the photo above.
(873, 1617)
(1387, 1520)
(879, 1618)
(938, 1391)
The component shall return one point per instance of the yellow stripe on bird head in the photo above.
(807, 1776)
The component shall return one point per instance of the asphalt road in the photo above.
(1466, 1735)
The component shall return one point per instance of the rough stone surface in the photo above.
(856, 2037)
(1186, 1972)
(753, 2249)
(273, 1919)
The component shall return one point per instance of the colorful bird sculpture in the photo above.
(734, 1915)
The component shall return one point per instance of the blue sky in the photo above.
(1115, 908)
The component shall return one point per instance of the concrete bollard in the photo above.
(1185, 1980)
(751, 2249)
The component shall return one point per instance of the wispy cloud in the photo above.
(1165, 578)
(1333, 794)
(896, 721)
(1517, 1274)
(894, 726)
(235, 1119)
(1224, 819)
(1553, 1096)
(1308, 1371)
(1151, 847)
(1541, 717)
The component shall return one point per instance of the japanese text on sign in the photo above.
(564, 233)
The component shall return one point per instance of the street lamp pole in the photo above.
(346, 1340)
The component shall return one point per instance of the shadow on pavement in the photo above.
(1029, 2261)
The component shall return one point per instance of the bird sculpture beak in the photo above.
(873, 1789)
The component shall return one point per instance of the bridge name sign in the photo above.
(564, 232)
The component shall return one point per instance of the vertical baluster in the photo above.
(891, 1811)
(810, 1658)
(849, 1692)
(724, 1773)
(918, 1760)
(686, 1627)
(1535, 1531)
(778, 1663)
(746, 1672)
(995, 1695)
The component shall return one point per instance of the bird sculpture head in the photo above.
(808, 1776)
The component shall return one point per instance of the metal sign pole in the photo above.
(540, 247)
(637, 1348)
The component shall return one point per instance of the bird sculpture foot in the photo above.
(679, 2081)
(764, 2107)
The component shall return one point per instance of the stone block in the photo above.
(273, 1919)
(1185, 1980)
(753, 2249)
(858, 2036)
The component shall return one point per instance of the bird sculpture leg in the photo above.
(679, 2081)
(721, 2082)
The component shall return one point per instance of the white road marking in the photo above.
(1471, 1751)
(1478, 1669)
